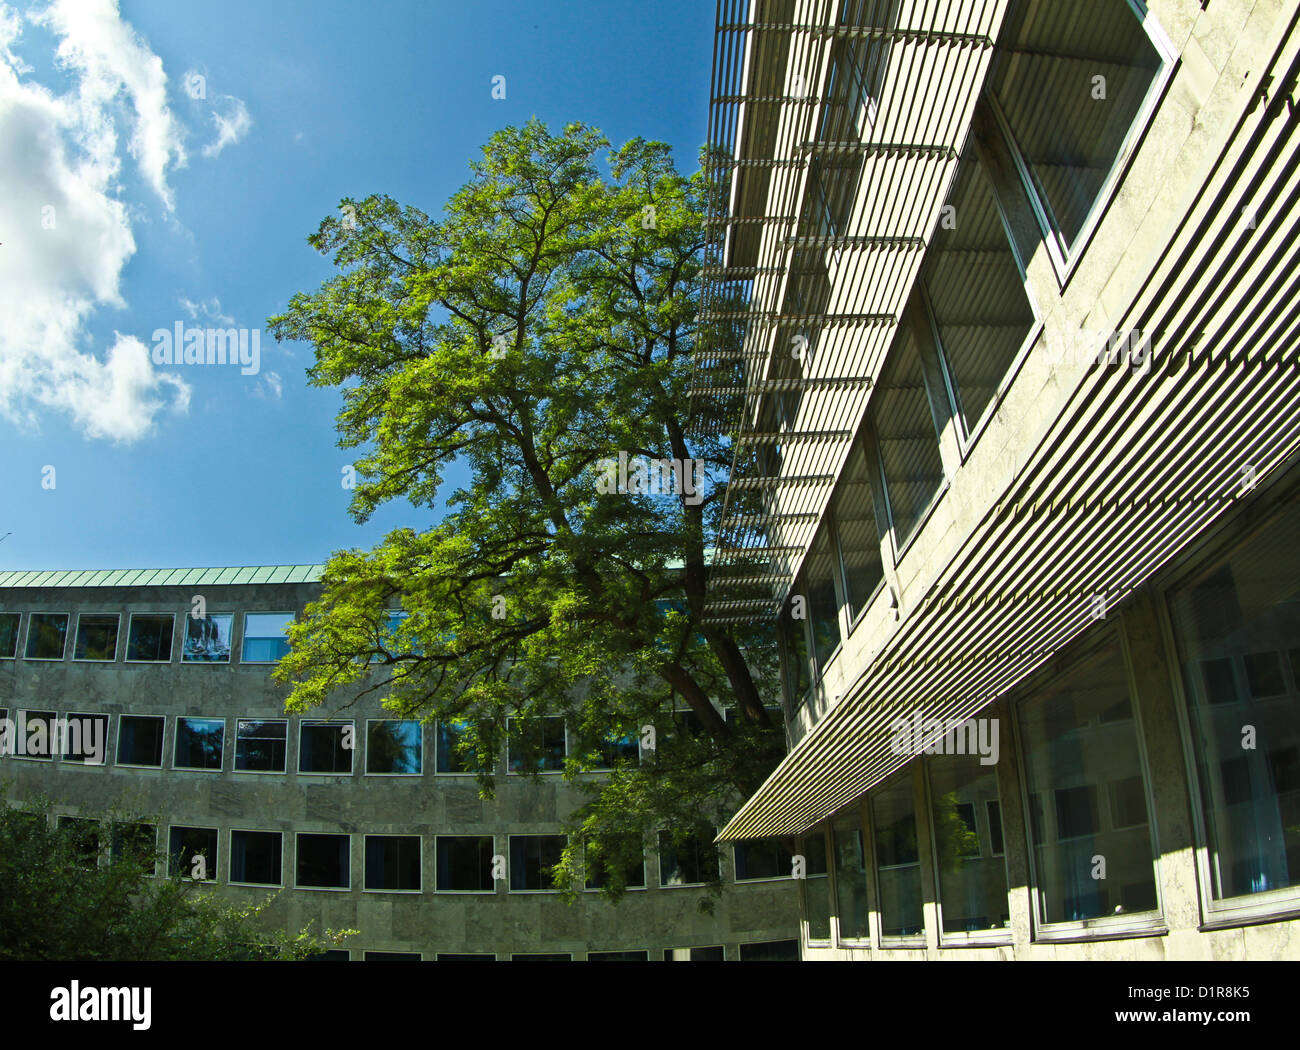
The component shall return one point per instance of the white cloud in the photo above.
(272, 386)
(66, 235)
(208, 310)
(232, 125)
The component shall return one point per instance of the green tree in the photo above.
(64, 898)
(544, 325)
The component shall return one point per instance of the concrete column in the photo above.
(1015, 831)
(925, 849)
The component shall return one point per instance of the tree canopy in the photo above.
(539, 333)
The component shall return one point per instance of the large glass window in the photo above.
(854, 514)
(324, 862)
(47, 635)
(149, 638)
(906, 436)
(261, 745)
(464, 864)
(898, 863)
(255, 857)
(199, 743)
(33, 735)
(192, 853)
(687, 859)
(1070, 80)
(818, 587)
(9, 623)
(816, 887)
(140, 740)
(598, 865)
(325, 747)
(850, 877)
(395, 747)
(96, 637)
(393, 863)
(531, 858)
(536, 745)
(972, 872)
(265, 637)
(975, 292)
(85, 739)
(207, 639)
(763, 859)
(1237, 623)
(451, 759)
(1090, 837)
(795, 634)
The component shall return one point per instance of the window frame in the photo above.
(291, 615)
(234, 762)
(117, 750)
(49, 742)
(536, 772)
(230, 856)
(176, 738)
(297, 836)
(366, 765)
(31, 616)
(510, 860)
(472, 893)
(117, 638)
(303, 723)
(18, 634)
(230, 656)
(171, 652)
(419, 838)
(216, 859)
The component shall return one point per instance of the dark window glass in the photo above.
(972, 875)
(898, 865)
(207, 639)
(9, 623)
(331, 955)
(818, 587)
(394, 747)
(1072, 755)
(816, 887)
(1232, 621)
(763, 859)
(96, 637)
(627, 852)
(140, 740)
(1043, 77)
(794, 633)
(536, 745)
(393, 862)
(854, 513)
(466, 957)
(85, 739)
(975, 291)
(531, 858)
(618, 750)
(464, 863)
(323, 747)
(199, 743)
(150, 638)
(450, 757)
(850, 877)
(255, 857)
(392, 957)
(687, 859)
(324, 861)
(906, 435)
(540, 957)
(705, 953)
(641, 956)
(770, 951)
(192, 853)
(47, 635)
(994, 808)
(261, 746)
(34, 733)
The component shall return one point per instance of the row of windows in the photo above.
(753, 951)
(394, 863)
(1086, 796)
(1047, 144)
(150, 637)
(393, 747)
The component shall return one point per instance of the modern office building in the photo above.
(1016, 289)
(358, 818)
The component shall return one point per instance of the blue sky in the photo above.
(164, 162)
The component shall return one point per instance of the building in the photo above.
(1015, 285)
(361, 819)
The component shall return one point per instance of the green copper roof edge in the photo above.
(35, 578)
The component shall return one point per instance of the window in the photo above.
(688, 859)
(199, 743)
(265, 640)
(616, 750)
(854, 514)
(261, 745)
(975, 293)
(192, 853)
(331, 955)
(850, 877)
(135, 843)
(641, 956)
(818, 588)
(325, 747)
(1232, 621)
(207, 639)
(394, 747)
(628, 852)
(906, 436)
(536, 744)
(149, 638)
(1075, 748)
(34, 733)
(531, 858)
(85, 739)
(47, 635)
(96, 637)
(393, 863)
(1071, 81)
(84, 835)
(464, 864)
(898, 863)
(797, 677)
(763, 859)
(704, 953)
(324, 862)
(770, 951)
(140, 740)
(541, 957)
(816, 887)
(466, 957)
(452, 735)
(391, 957)
(9, 623)
(255, 858)
(972, 875)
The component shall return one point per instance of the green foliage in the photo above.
(954, 839)
(546, 322)
(57, 904)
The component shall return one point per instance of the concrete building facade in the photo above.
(359, 819)
(1014, 287)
